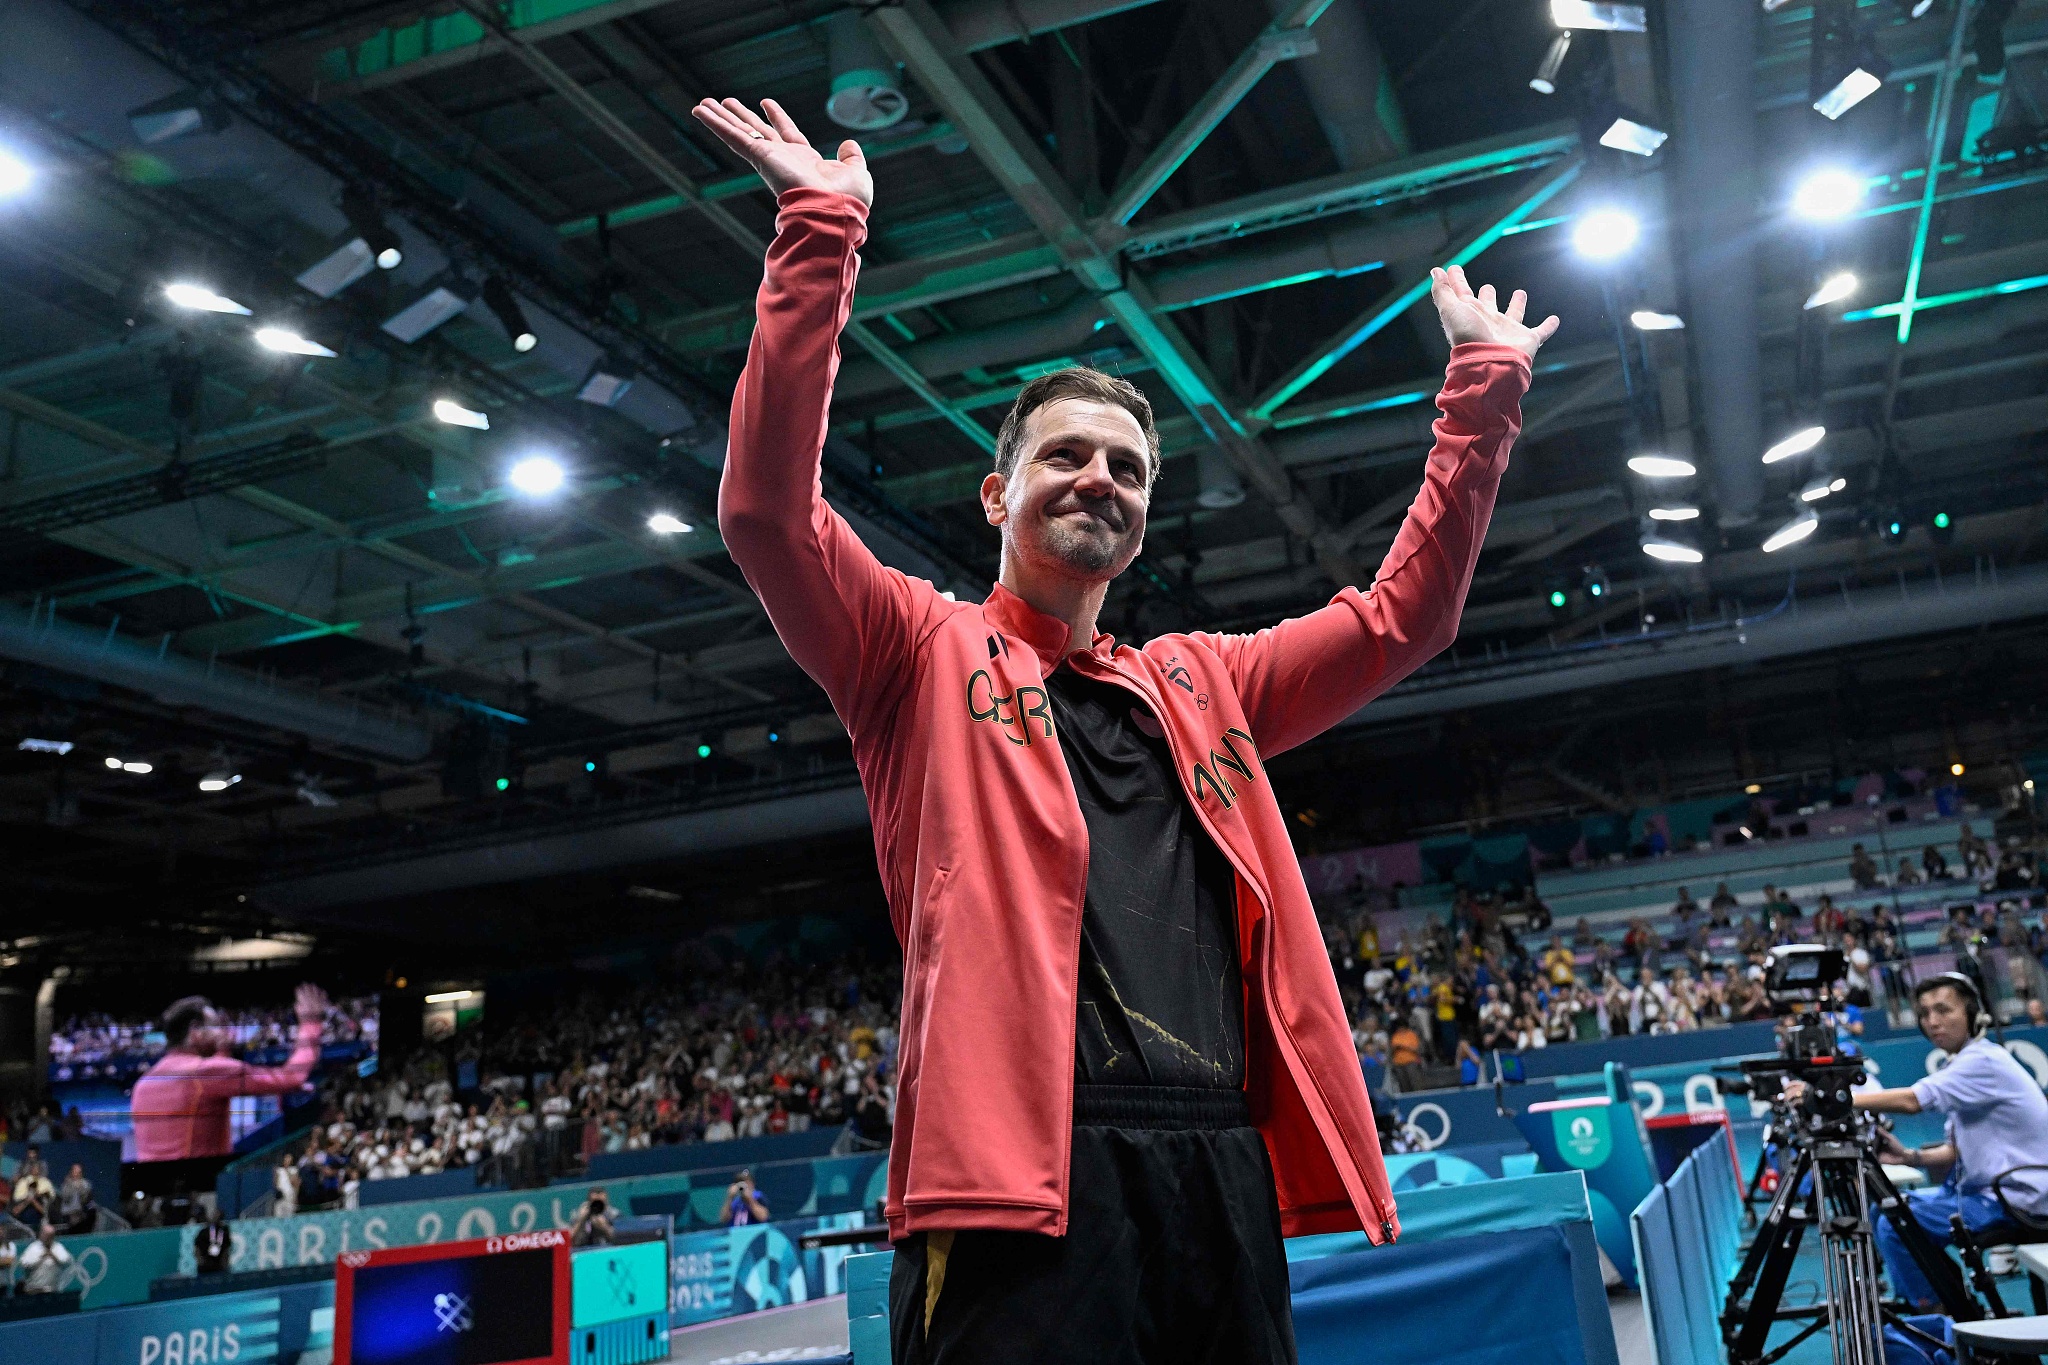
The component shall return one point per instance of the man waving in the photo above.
(1125, 1068)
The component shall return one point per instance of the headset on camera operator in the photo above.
(1997, 1128)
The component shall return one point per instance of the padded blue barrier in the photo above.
(1686, 1239)
(1605, 1139)
(1517, 1257)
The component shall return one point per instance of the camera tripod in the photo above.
(1847, 1193)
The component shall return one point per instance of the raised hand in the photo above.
(1477, 317)
(311, 1004)
(776, 148)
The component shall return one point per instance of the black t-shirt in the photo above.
(1161, 1000)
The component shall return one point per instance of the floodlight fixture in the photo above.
(499, 299)
(45, 746)
(1638, 139)
(1836, 287)
(1593, 14)
(288, 342)
(359, 206)
(1851, 81)
(1672, 551)
(202, 300)
(181, 113)
(448, 298)
(1661, 467)
(1606, 233)
(537, 476)
(1818, 489)
(1650, 320)
(607, 381)
(1680, 513)
(139, 768)
(1915, 9)
(1829, 194)
(219, 780)
(1798, 443)
(1544, 82)
(455, 415)
(339, 268)
(667, 524)
(1792, 532)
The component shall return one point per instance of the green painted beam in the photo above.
(1900, 309)
(1944, 102)
(1370, 323)
(1284, 39)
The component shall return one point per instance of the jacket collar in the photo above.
(1048, 636)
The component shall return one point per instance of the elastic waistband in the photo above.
(1160, 1106)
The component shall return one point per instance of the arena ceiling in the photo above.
(220, 562)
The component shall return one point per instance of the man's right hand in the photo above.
(311, 1004)
(778, 150)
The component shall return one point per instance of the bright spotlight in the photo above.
(1672, 551)
(1639, 139)
(1544, 82)
(1833, 289)
(1956, 770)
(1798, 443)
(1838, 485)
(45, 746)
(15, 175)
(1674, 513)
(201, 299)
(114, 763)
(289, 343)
(219, 780)
(140, 769)
(1792, 532)
(1829, 194)
(1816, 490)
(667, 524)
(537, 476)
(1857, 86)
(1604, 234)
(1661, 467)
(1595, 15)
(1650, 320)
(456, 415)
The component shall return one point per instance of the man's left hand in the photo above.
(1478, 317)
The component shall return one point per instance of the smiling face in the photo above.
(1074, 505)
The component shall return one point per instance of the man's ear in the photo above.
(994, 489)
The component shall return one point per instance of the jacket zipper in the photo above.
(1133, 685)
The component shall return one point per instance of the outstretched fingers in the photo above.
(749, 119)
(1518, 305)
(784, 125)
(1460, 286)
(1546, 329)
(737, 136)
(1487, 299)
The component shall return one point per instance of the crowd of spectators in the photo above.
(705, 1057)
(1496, 975)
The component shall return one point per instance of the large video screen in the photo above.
(476, 1310)
(226, 1079)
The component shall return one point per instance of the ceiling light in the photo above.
(1798, 443)
(446, 300)
(1661, 467)
(313, 794)
(138, 768)
(1671, 551)
(113, 763)
(607, 381)
(1862, 80)
(1674, 513)
(667, 524)
(359, 206)
(1833, 289)
(339, 269)
(15, 175)
(1838, 485)
(219, 780)
(498, 298)
(1816, 490)
(537, 476)
(1914, 9)
(1595, 15)
(289, 343)
(456, 415)
(1603, 234)
(1955, 770)
(202, 299)
(1544, 82)
(439, 997)
(178, 114)
(1627, 135)
(46, 746)
(1828, 194)
(1650, 320)
(1792, 532)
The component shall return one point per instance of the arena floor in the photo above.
(803, 1331)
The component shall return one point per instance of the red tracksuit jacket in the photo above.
(980, 839)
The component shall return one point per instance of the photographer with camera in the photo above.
(1994, 1159)
(592, 1226)
(743, 1203)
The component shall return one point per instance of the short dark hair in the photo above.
(1076, 381)
(182, 1015)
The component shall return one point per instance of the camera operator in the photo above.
(1997, 1120)
(743, 1203)
(592, 1226)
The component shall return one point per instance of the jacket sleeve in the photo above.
(846, 618)
(1299, 678)
(243, 1079)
